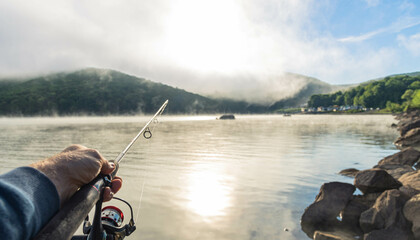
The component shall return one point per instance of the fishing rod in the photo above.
(107, 222)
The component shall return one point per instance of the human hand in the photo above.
(74, 167)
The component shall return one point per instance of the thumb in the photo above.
(107, 167)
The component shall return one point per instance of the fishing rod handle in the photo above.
(65, 223)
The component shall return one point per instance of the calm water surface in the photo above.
(199, 178)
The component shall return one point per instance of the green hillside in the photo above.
(97, 91)
(396, 93)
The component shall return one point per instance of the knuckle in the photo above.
(74, 147)
(93, 153)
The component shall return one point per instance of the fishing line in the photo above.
(147, 134)
(141, 198)
(144, 177)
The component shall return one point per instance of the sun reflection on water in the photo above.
(208, 193)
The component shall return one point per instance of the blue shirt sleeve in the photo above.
(28, 199)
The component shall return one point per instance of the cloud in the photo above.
(372, 3)
(362, 37)
(411, 43)
(396, 27)
(223, 47)
(180, 42)
(406, 6)
(56, 35)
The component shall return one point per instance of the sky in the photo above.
(213, 46)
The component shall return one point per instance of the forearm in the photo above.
(28, 200)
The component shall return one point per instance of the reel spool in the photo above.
(112, 215)
(108, 223)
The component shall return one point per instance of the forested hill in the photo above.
(396, 93)
(97, 91)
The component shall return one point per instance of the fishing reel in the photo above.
(107, 223)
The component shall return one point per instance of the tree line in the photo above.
(396, 93)
(102, 92)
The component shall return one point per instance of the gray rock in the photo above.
(392, 233)
(408, 156)
(411, 179)
(396, 171)
(407, 126)
(371, 220)
(351, 214)
(409, 191)
(331, 200)
(412, 213)
(387, 212)
(411, 138)
(367, 199)
(349, 172)
(227, 117)
(375, 180)
(408, 116)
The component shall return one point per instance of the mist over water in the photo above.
(201, 178)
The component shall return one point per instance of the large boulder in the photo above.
(375, 180)
(408, 156)
(412, 213)
(411, 138)
(396, 171)
(411, 179)
(385, 213)
(322, 214)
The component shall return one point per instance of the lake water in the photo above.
(201, 178)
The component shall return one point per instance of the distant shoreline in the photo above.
(344, 113)
(186, 114)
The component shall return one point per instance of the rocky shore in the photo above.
(389, 206)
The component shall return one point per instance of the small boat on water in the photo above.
(287, 115)
(226, 117)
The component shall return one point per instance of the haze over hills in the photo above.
(412, 74)
(285, 90)
(308, 87)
